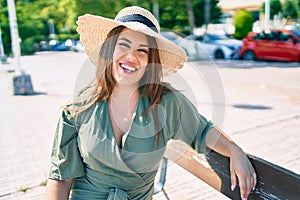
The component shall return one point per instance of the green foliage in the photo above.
(61, 12)
(173, 15)
(44, 183)
(243, 23)
(298, 6)
(275, 8)
(199, 12)
(290, 9)
(28, 46)
(107, 8)
(4, 23)
(65, 36)
(33, 17)
(28, 24)
(216, 11)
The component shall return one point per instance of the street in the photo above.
(256, 103)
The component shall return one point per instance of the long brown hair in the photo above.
(104, 83)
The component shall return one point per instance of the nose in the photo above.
(131, 55)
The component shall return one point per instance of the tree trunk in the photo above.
(190, 15)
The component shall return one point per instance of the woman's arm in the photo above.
(240, 165)
(58, 189)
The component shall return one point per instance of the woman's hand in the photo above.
(242, 173)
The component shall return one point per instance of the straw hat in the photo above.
(93, 31)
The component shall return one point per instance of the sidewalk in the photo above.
(27, 125)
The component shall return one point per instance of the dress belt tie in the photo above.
(117, 194)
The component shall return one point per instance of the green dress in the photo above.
(85, 148)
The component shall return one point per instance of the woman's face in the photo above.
(130, 57)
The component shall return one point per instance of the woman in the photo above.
(111, 138)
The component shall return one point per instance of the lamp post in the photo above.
(15, 41)
(267, 14)
(21, 80)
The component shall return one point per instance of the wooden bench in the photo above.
(274, 182)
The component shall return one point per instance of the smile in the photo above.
(127, 68)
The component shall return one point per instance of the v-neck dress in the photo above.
(85, 148)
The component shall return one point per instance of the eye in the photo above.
(123, 44)
(143, 51)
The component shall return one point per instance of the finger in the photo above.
(243, 190)
(254, 181)
(249, 186)
(245, 187)
(233, 180)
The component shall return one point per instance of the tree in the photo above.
(173, 15)
(298, 4)
(275, 8)
(290, 10)
(107, 8)
(33, 16)
(243, 23)
(61, 12)
(4, 23)
(191, 15)
(215, 12)
(29, 25)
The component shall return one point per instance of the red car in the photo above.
(281, 45)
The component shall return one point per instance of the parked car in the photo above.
(61, 46)
(77, 46)
(44, 46)
(3, 58)
(218, 46)
(193, 50)
(281, 45)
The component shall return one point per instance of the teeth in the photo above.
(130, 69)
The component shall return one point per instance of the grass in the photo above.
(25, 189)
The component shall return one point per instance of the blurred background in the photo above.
(50, 25)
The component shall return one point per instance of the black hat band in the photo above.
(138, 18)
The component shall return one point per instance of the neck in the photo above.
(122, 93)
(124, 97)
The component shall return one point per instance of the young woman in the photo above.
(111, 138)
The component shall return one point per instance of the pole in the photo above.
(156, 10)
(1, 44)
(190, 15)
(267, 14)
(14, 34)
(21, 81)
(206, 14)
(51, 29)
(2, 54)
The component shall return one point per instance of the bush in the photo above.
(28, 46)
(243, 23)
(65, 36)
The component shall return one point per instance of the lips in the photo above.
(127, 68)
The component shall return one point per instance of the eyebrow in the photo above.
(141, 45)
(126, 40)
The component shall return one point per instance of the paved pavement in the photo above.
(260, 110)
